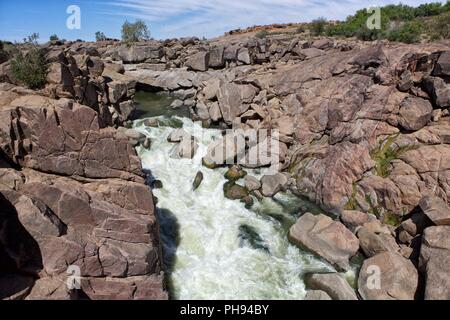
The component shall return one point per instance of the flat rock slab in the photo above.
(326, 238)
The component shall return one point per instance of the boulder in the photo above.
(234, 100)
(442, 67)
(435, 209)
(272, 184)
(252, 183)
(373, 243)
(414, 113)
(244, 56)
(317, 295)
(185, 149)
(438, 90)
(353, 219)
(434, 261)
(235, 172)
(331, 283)
(197, 181)
(234, 191)
(198, 61)
(326, 238)
(216, 59)
(388, 276)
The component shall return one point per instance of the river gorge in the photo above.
(214, 247)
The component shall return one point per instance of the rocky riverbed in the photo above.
(363, 134)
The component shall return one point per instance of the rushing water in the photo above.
(215, 248)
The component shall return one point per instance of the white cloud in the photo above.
(175, 18)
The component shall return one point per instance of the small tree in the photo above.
(134, 32)
(31, 39)
(318, 26)
(100, 36)
(30, 68)
(54, 37)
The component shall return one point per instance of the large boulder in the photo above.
(442, 67)
(198, 61)
(272, 184)
(438, 90)
(388, 276)
(414, 113)
(234, 100)
(434, 261)
(216, 59)
(326, 238)
(333, 284)
(373, 242)
(436, 209)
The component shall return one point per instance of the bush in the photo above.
(3, 54)
(439, 28)
(409, 32)
(262, 34)
(318, 26)
(54, 37)
(100, 36)
(134, 32)
(30, 69)
(31, 39)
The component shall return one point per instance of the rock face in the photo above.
(326, 238)
(388, 276)
(79, 201)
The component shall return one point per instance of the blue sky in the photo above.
(166, 18)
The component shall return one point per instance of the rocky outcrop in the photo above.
(73, 197)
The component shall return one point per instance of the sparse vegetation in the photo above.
(318, 26)
(385, 153)
(134, 32)
(100, 36)
(352, 204)
(409, 32)
(30, 68)
(262, 34)
(54, 37)
(32, 39)
(398, 23)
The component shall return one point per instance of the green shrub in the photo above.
(30, 69)
(3, 54)
(32, 39)
(100, 36)
(262, 34)
(54, 37)
(439, 27)
(318, 26)
(134, 32)
(409, 32)
(385, 153)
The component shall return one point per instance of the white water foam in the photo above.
(210, 259)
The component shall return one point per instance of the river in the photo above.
(213, 247)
